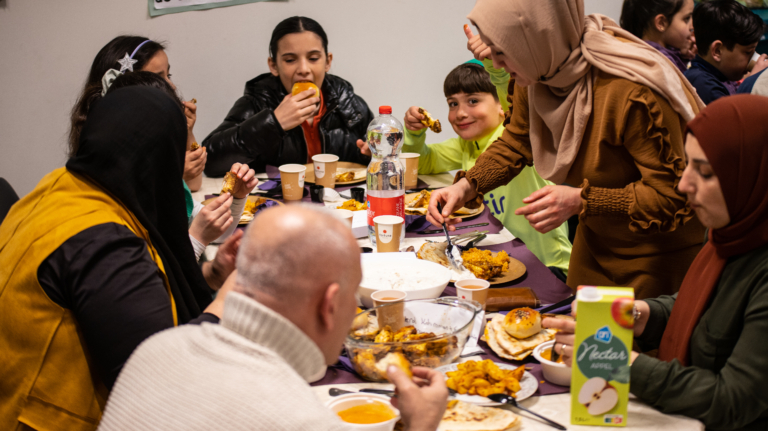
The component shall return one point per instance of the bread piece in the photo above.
(230, 181)
(430, 122)
(394, 358)
(466, 416)
(522, 323)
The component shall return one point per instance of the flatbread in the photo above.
(509, 347)
(466, 416)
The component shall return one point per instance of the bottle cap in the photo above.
(589, 294)
(385, 109)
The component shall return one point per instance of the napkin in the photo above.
(471, 347)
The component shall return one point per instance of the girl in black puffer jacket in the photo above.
(269, 126)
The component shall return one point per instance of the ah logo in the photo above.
(604, 335)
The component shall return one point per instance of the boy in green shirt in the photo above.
(477, 100)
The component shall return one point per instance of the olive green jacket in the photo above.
(726, 386)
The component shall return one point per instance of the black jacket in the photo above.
(251, 133)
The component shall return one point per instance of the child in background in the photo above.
(476, 113)
(726, 36)
(666, 25)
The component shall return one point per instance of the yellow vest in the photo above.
(46, 379)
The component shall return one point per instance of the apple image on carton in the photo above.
(621, 310)
(598, 396)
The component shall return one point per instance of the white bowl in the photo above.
(343, 402)
(559, 374)
(439, 276)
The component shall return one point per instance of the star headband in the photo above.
(126, 63)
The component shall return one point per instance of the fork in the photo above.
(449, 250)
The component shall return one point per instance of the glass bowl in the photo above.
(449, 319)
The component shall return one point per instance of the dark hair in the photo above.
(296, 24)
(726, 21)
(146, 79)
(469, 78)
(638, 15)
(107, 59)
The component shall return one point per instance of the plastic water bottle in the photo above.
(386, 190)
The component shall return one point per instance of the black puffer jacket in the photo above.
(251, 133)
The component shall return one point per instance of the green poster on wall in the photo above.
(164, 7)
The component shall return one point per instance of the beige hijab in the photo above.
(553, 43)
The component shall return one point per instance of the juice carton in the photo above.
(600, 372)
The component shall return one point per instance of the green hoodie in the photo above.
(552, 248)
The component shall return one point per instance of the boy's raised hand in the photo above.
(476, 46)
(413, 119)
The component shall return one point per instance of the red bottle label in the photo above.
(385, 206)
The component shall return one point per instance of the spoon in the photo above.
(449, 249)
(335, 392)
(506, 399)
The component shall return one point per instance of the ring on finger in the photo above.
(562, 349)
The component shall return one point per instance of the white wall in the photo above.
(394, 52)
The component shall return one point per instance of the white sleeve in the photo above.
(238, 205)
(197, 246)
(196, 209)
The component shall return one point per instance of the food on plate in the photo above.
(194, 146)
(353, 205)
(394, 358)
(484, 264)
(405, 278)
(434, 252)
(252, 206)
(345, 177)
(522, 322)
(461, 416)
(484, 378)
(509, 347)
(230, 181)
(368, 361)
(368, 413)
(304, 86)
(430, 122)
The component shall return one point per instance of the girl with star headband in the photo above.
(126, 54)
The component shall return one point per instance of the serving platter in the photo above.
(476, 212)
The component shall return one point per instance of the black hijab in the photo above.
(133, 146)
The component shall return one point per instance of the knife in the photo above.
(555, 306)
(428, 232)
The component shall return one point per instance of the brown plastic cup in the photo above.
(325, 169)
(473, 290)
(411, 165)
(393, 314)
(292, 179)
(388, 229)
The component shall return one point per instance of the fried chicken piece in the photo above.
(484, 265)
(345, 177)
(396, 359)
(404, 332)
(365, 364)
(230, 181)
(430, 122)
(385, 335)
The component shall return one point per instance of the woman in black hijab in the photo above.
(96, 259)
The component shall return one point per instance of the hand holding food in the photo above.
(190, 112)
(421, 402)
(211, 222)
(413, 119)
(296, 109)
(475, 45)
(245, 181)
(428, 121)
(194, 162)
(551, 206)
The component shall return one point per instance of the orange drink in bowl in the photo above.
(365, 411)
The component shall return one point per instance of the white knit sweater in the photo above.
(250, 372)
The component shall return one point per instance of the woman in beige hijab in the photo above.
(601, 113)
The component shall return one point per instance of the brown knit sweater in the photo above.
(636, 230)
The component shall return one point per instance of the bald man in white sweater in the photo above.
(291, 304)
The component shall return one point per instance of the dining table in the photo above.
(550, 400)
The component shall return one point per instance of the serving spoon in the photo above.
(506, 399)
(449, 249)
